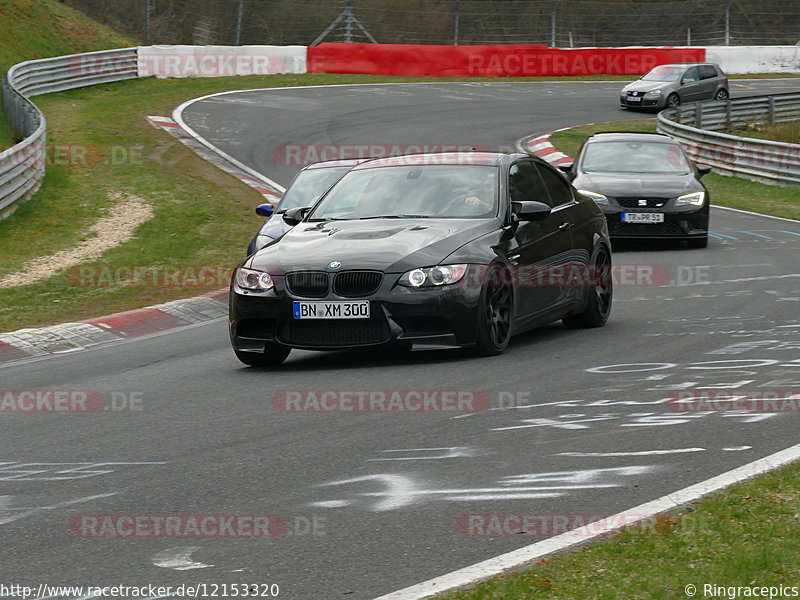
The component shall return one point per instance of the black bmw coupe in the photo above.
(455, 249)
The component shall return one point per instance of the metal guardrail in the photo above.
(22, 166)
(697, 127)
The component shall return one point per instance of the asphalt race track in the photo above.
(371, 502)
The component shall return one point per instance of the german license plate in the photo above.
(331, 310)
(642, 217)
(634, 98)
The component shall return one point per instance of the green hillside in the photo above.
(42, 28)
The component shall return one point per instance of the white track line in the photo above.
(755, 214)
(517, 559)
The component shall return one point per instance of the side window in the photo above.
(707, 72)
(691, 75)
(525, 183)
(556, 185)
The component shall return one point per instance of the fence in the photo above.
(558, 23)
(698, 127)
(22, 166)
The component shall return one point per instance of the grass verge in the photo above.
(788, 132)
(746, 536)
(735, 192)
(47, 28)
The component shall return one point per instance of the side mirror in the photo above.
(293, 216)
(703, 170)
(265, 210)
(530, 210)
(566, 168)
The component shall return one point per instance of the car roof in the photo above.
(328, 164)
(622, 136)
(687, 64)
(437, 158)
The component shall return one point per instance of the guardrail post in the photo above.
(678, 114)
(698, 115)
(771, 109)
(456, 17)
(728, 114)
(553, 24)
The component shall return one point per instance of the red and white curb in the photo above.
(272, 193)
(540, 146)
(69, 337)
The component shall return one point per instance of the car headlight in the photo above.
(623, 90)
(598, 198)
(434, 276)
(654, 92)
(250, 279)
(693, 199)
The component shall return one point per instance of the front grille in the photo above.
(634, 202)
(308, 284)
(665, 228)
(356, 284)
(335, 333)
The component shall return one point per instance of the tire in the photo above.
(598, 304)
(673, 100)
(699, 242)
(722, 94)
(272, 356)
(495, 313)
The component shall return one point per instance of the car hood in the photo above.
(646, 86)
(390, 245)
(618, 185)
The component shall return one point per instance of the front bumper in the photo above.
(646, 101)
(433, 316)
(677, 224)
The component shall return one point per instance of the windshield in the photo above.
(634, 157)
(309, 185)
(441, 191)
(664, 73)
